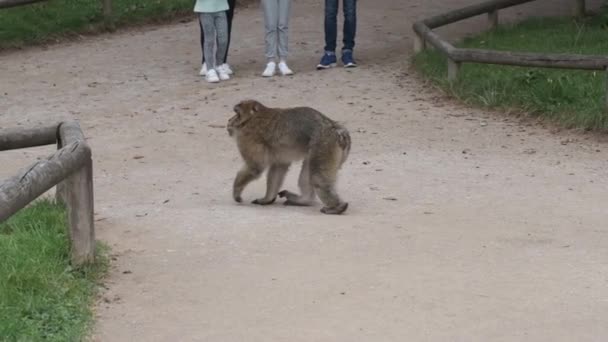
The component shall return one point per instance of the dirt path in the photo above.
(463, 226)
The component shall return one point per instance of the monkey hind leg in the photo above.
(328, 195)
(324, 174)
(341, 208)
(306, 189)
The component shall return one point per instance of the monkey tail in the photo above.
(343, 141)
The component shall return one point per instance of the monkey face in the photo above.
(230, 127)
(233, 123)
(244, 111)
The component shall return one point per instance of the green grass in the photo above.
(573, 98)
(50, 20)
(42, 298)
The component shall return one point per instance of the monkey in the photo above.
(273, 138)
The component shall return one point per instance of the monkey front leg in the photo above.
(307, 192)
(245, 176)
(274, 180)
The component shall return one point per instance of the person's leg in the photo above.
(271, 23)
(331, 32)
(350, 30)
(350, 24)
(221, 27)
(229, 16)
(208, 21)
(331, 24)
(203, 71)
(284, 13)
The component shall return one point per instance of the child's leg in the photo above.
(271, 23)
(200, 24)
(209, 29)
(221, 26)
(229, 16)
(284, 12)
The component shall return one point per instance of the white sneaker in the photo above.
(271, 68)
(212, 76)
(226, 68)
(285, 71)
(224, 76)
(203, 71)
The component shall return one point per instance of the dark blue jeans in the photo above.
(331, 24)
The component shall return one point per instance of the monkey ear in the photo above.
(256, 107)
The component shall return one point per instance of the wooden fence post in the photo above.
(493, 19)
(78, 195)
(76, 191)
(453, 70)
(419, 43)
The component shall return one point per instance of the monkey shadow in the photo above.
(291, 211)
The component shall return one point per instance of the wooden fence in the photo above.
(70, 169)
(457, 56)
(106, 6)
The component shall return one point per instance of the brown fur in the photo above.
(273, 138)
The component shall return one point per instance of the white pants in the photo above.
(276, 22)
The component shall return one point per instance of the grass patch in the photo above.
(42, 298)
(54, 19)
(572, 98)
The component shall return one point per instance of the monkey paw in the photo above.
(262, 201)
(283, 193)
(238, 199)
(289, 195)
(337, 210)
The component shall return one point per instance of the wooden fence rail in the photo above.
(471, 11)
(15, 3)
(457, 56)
(106, 6)
(70, 169)
(13, 139)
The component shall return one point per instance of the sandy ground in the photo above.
(463, 225)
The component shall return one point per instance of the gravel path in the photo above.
(463, 225)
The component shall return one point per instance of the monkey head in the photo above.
(244, 111)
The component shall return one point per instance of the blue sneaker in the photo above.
(327, 61)
(348, 60)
